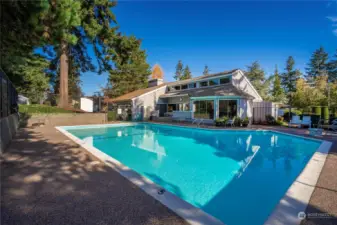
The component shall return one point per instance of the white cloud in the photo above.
(332, 18)
(334, 32)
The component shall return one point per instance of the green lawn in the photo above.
(35, 109)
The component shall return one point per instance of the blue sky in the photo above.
(225, 34)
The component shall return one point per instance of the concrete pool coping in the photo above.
(285, 212)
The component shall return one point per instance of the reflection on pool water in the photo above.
(236, 176)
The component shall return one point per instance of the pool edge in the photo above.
(297, 197)
(190, 213)
(299, 192)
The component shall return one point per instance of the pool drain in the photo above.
(161, 191)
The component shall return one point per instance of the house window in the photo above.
(213, 82)
(177, 88)
(225, 80)
(184, 107)
(171, 107)
(203, 83)
(183, 86)
(193, 85)
(204, 109)
(227, 108)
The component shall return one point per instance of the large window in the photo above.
(171, 107)
(225, 80)
(177, 88)
(184, 86)
(184, 106)
(204, 109)
(203, 83)
(214, 82)
(193, 85)
(227, 108)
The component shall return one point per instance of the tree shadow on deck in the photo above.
(48, 179)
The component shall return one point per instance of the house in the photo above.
(207, 97)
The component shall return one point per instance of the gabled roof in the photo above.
(129, 96)
(219, 90)
(194, 79)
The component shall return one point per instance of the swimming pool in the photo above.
(236, 176)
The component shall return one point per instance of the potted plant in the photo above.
(238, 122)
(245, 122)
(218, 122)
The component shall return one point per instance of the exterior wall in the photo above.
(146, 103)
(9, 126)
(87, 105)
(242, 83)
(261, 109)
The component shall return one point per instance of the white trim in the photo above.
(198, 81)
(250, 84)
(300, 191)
(147, 93)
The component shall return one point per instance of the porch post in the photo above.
(238, 108)
(216, 108)
(192, 109)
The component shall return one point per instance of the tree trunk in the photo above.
(63, 101)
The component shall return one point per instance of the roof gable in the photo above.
(129, 96)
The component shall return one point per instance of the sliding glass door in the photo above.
(227, 108)
(204, 109)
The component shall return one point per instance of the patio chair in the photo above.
(333, 126)
(230, 122)
(295, 120)
(306, 121)
(317, 131)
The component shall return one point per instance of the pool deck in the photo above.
(48, 179)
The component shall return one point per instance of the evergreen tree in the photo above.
(29, 75)
(206, 70)
(68, 23)
(289, 79)
(256, 76)
(131, 70)
(277, 91)
(318, 64)
(179, 70)
(255, 72)
(332, 69)
(187, 74)
(21, 30)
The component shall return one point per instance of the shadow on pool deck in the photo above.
(47, 179)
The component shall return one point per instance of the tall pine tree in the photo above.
(206, 70)
(318, 65)
(289, 78)
(179, 70)
(71, 22)
(187, 74)
(277, 91)
(131, 71)
(256, 76)
(332, 69)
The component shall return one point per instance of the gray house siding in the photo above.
(146, 103)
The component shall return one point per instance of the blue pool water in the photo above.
(236, 176)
